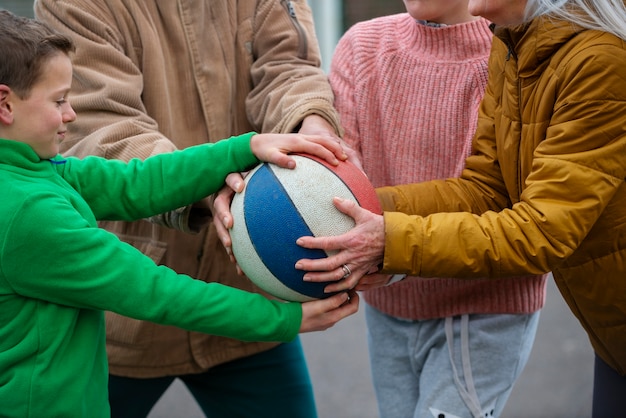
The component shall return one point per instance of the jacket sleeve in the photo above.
(575, 171)
(108, 85)
(343, 81)
(288, 82)
(107, 93)
(115, 190)
(72, 263)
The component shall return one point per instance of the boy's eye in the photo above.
(60, 102)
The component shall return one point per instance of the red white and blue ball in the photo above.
(280, 205)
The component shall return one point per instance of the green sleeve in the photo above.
(69, 263)
(116, 190)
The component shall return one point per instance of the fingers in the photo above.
(223, 199)
(358, 282)
(372, 281)
(348, 283)
(329, 243)
(222, 233)
(353, 157)
(322, 314)
(326, 147)
(235, 182)
(349, 207)
(274, 148)
(337, 242)
(317, 125)
(362, 247)
(223, 219)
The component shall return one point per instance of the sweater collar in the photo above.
(450, 43)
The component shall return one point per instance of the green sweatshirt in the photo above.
(59, 271)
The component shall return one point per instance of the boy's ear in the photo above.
(6, 109)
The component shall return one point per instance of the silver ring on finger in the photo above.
(346, 271)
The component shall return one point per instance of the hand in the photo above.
(222, 218)
(322, 314)
(274, 148)
(373, 281)
(361, 249)
(317, 125)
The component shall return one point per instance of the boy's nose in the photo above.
(69, 115)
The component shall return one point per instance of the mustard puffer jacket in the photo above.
(544, 188)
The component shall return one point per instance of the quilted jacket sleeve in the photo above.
(535, 190)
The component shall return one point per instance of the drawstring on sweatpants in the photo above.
(467, 391)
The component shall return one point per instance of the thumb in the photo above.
(346, 206)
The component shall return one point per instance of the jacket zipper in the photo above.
(302, 38)
(511, 53)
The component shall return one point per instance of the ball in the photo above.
(280, 205)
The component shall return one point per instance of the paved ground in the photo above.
(557, 381)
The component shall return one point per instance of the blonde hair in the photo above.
(603, 15)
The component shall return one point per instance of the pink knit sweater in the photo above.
(408, 96)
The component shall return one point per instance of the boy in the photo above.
(143, 86)
(58, 271)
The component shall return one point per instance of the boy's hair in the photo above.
(25, 46)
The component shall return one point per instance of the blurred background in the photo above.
(557, 381)
(332, 17)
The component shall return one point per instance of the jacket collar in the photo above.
(534, 42)
(17, 155)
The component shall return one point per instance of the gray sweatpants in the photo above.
(451, 367)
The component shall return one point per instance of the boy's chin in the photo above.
(47, 154)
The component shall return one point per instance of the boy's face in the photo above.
(41, 119)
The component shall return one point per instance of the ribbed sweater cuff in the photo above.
(419, 298)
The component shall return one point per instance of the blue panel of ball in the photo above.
(264, 196)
